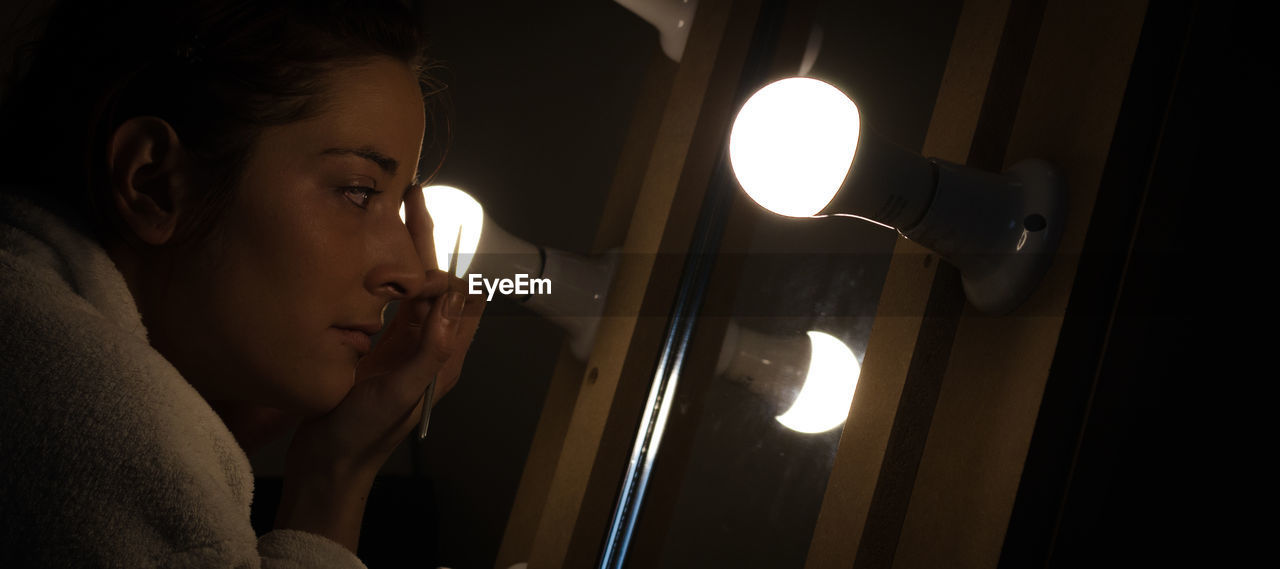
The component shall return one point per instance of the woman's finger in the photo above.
(423, 340)
(402, 336)
(420, 226)
(434, 285)
(435, 346)
(467, 327)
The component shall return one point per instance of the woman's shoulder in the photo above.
(73, 351)
(105, 444)
(67, 321)
(44, 259)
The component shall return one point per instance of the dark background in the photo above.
(1149, 463)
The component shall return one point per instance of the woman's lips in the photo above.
(357, 339)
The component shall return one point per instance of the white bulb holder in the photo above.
(579, 284)
(769, 365)
(672, 18)
(501, 255)
(579, 288)
(813, 376)
(1000, 230)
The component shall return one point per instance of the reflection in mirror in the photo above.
(817, 374)
(771, 369)
(824, 399)
(542, 99)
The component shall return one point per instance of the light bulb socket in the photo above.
(772, 365)
(672, 18)
(1000, 230)
(886, 183)
(502, 255)
(542, 270)
(579, 289)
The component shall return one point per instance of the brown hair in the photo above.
(219, 71)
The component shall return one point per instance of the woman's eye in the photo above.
(359, 195)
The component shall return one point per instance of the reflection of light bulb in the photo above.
(792, 145)
(671, 17)
(823, 402)
(450, 209)
(772, 365)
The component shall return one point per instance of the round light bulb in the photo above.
(451, 208)
(792, 145)
(824, 399)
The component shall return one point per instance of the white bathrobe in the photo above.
(108, 457)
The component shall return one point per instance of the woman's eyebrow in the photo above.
(387, 163)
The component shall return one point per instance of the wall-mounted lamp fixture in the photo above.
(823, 367)
(672, 18)
(579, 284)
(798, 149)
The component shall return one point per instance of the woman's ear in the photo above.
(148, 186)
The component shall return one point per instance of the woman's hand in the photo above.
(427, 339)
(334, 457)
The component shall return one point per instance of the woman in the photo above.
(198, 234)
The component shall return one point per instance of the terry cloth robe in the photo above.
(108, 457)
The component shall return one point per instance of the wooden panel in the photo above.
(700, 164)
(904, 299)
(654, 220)
(1092, 379)
(793, 21)
(544, 452)
(968, 477)
(569, 373)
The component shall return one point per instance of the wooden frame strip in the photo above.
(968, 478)
(624, 339)
(901, 326)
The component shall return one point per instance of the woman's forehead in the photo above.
(372, 110)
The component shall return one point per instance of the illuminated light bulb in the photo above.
(772, 365)
(824, 399)
(792, 145)
(579, 284)
(799, 149)
(451, 209)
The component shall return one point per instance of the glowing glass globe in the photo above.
(824, 399)
(451, 208)
(792, 145)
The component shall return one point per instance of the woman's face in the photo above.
(279, 306)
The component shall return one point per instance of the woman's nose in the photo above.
(397, 271)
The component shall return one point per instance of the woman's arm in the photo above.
(326, 502)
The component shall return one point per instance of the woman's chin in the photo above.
(321, 393)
